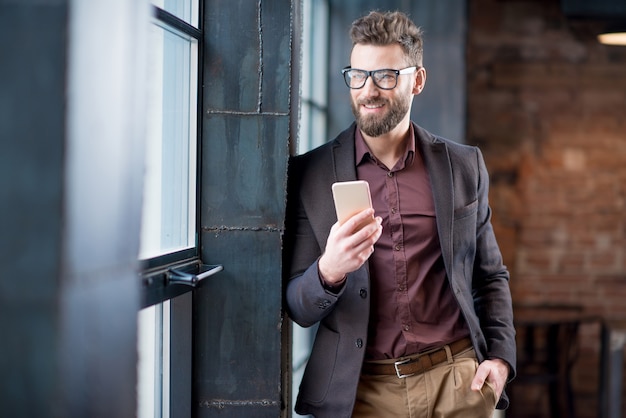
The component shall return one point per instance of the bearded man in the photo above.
(414, 309)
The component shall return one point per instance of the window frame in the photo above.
(156, 272)
(173, 300)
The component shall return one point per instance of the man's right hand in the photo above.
(348, 248)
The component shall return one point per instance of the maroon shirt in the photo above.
(412, 306)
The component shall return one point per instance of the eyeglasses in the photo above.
(386, 79)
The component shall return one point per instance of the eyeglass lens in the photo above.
(385, 79)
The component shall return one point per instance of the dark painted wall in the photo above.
(71, 171)
(237, 314)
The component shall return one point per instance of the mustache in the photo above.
(370, 102)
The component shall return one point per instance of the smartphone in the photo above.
(351, 197)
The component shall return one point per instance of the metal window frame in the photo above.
(173, 274)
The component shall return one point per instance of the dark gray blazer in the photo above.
(471, 256)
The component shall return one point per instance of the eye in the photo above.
(385, 76)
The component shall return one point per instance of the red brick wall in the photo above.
(547, 105)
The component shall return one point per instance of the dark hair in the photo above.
(389, 28)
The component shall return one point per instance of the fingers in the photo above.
(358, 221)
(360, 231)
(349, 246)
(480, 377)
(494, 371)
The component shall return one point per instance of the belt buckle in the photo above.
(400, 363)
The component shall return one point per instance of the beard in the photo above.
(374, 125)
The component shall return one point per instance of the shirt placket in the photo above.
(399, 254)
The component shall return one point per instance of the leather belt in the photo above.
(416, 364)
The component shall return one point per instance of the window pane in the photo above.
(153, 367)
(186, 10)
(314, 65)
(168, 222)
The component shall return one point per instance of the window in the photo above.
(169, 214)
(314, 100)
(169, 238)
(154, 359)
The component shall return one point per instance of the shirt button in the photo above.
(397, 247)
(406, 327)
(393, 211)
(363, 293)
(359, 343)
(389, 174)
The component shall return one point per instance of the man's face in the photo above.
(378, 111)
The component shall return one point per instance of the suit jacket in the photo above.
(472, 259)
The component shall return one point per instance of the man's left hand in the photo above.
(495, 371)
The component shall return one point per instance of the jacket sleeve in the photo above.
(307, 301)
(490, 281)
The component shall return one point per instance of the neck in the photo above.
(388, 148)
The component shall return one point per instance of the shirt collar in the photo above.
(362, 150)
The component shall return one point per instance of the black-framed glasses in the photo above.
(386, 79)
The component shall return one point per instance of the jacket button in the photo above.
(323, 303)
(363, 293)
(359, 343)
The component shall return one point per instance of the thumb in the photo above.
(479, 378)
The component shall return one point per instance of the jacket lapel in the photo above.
(343, 156)
(317, 191)
(437, 160)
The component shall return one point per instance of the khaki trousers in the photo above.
(443, 391)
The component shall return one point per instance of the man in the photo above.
(414, 309)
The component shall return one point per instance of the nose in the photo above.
(370, 89)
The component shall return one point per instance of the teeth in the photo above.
(376, 106)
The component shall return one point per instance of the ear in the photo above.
(420, 80)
